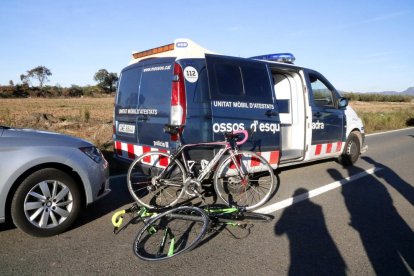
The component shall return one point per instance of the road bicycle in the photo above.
(241, 178)
(181, 229)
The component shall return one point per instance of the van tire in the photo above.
(352, 150)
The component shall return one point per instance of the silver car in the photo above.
(45, 179)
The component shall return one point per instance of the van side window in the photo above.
(322, 95)
(229, 81)
(128, 87)
(256, 82)
(241, 81)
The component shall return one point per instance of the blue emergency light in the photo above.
(280, 57)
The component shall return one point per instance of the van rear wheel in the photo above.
(351, 151)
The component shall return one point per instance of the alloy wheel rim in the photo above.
(48, 204)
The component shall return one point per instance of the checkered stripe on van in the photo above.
(326, 149)
(130, 151)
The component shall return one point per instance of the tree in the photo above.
(105, 79)
(39, 73)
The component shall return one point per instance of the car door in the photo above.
(242, 98)
(328, 121)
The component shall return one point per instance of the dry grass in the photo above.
(91, 118)
(88, 118)
(385, 107)
(382, 116)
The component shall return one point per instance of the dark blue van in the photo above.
(295, 114)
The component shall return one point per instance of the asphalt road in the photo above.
(363, 226)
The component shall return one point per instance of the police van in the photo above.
(294, 113)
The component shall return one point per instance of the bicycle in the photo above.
(241, 178)
(180, 229)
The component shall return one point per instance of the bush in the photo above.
(378, 121)
(376, 97)
(24, 91)
(73, 91)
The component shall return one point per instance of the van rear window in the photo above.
(128, 87)
(155, 87)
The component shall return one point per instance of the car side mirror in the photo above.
(342, 103)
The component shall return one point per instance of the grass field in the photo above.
(91, 118)
(88, 118)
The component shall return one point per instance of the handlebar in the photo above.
(235, 134)
(117, 218)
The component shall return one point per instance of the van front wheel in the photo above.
(351, 151)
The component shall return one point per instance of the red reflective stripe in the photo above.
(146, 159)
(338, 146)
(318, 149)
(131, 153)
(118, 148)
(274, 157)
(238, 159)
(163, 159)
(328, 148)
(255, 161)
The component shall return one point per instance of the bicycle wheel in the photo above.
(171, 233)
(146, 186)
(250, 191)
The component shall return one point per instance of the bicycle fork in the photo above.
(167, 236)
(237, 161)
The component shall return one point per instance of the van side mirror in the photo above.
(342, 103)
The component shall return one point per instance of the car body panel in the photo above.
(23, 149)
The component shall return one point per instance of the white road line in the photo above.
(384, 132)
(318, 191)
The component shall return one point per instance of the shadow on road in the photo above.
(117, 198)
(312, 249)
(386, 237)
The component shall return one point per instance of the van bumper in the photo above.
(364, 147)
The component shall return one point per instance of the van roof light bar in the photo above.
(280, 57)
(181, 48)
(153, 51)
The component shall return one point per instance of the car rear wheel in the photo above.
(46, 203)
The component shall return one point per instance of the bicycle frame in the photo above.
(227, 147)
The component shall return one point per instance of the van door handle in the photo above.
(143, 117)
(318, 114)
(270, 113)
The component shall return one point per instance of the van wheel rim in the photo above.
(48, 204)
(352, 149)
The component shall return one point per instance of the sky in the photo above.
(359, 46)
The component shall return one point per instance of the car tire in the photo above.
(351, 151)
(46, 203)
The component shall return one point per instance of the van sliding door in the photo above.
(242, 98)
